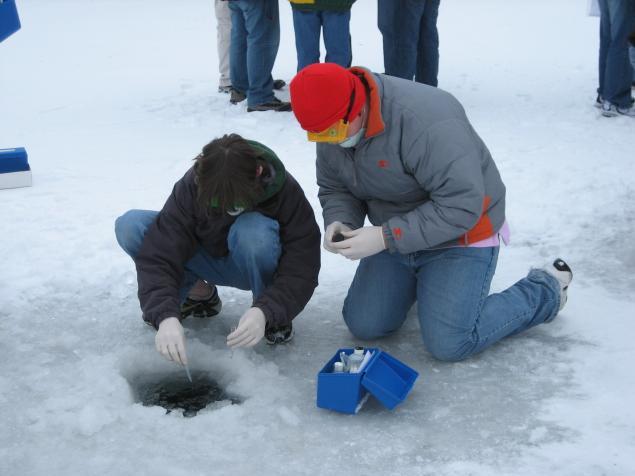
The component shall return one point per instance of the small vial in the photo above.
(355, 360)
(338, 367)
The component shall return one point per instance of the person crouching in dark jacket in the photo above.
(237, 218)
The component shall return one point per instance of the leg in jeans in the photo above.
(261, 21)
(238, 50)
(307, 27)
(254, 251)
(428, 51)
(337, 37)
(457, 316)
(617, 22)
(382, 292)
(399, 22)
(223, 40)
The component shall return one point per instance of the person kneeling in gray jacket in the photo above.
(404, 155)
(237, 218)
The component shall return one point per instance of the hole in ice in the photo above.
(174, 392)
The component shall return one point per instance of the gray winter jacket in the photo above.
(421, 171)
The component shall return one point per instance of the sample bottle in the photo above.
(355, 359)
(338, 367)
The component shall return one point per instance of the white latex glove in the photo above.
(360, 243)
(170, 340)
(251, 328)
(335, 227)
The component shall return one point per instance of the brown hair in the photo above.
(226, 174)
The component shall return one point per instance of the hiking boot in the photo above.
(279, 84)
(612, 110)
(275, 105)
(563, 274)
(278, 335)
(202, 308)
(225, 89)
(236, 96)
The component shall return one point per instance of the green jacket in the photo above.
(316, 5)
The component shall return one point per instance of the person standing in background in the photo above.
(254, 45)
(617, 22)
(333, 18)
(411, 39)
(223, 40)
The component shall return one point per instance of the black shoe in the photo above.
(279, 84)
(202, 308)
(236, 96)
(275, 105)
(278, 335)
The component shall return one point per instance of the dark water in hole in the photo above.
(175, 392)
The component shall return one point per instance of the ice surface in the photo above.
(113, 99)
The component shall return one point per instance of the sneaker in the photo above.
(225, 89)
(275, 105)
(279, 335)
(236, 96)
(279, 84)
(202, 308)
(563, 274)
(611, 110)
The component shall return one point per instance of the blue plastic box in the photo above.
(14, 168)
(384, 377)
(9, 20)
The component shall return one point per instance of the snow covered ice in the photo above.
(113, 99)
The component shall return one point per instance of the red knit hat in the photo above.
(321, 95)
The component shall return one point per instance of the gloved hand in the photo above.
(251, 328)
(170, 340)
(335, 227)
(360, 243)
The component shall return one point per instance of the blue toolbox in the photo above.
(382, 376)
(14, 168)
(9, 20)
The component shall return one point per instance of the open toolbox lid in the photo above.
(388, 379)
(9, 19)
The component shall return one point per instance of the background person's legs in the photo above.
(307, 27)
(262, 23)
(399, 22)
(428, 46)
(223, 41)
(337, 37)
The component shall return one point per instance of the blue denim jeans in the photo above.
(411, 39)
(617, 21)
(254, 251)
(337, 37)
(457, 316)
(254, 45)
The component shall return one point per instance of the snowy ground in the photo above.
(113, 98)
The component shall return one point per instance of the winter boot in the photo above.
(278, 335)
(563, 274)
(202, 308)
(236, 96)
(275, 105)
(279, 84)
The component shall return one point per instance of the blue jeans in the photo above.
(254, 46)
(411, 39)
(615, 71)
(254, 251)
(337, 37)
(457, 317)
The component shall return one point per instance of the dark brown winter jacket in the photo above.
(182, 228)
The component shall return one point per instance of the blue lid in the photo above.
(9, 20)
(388, 379)
(13, 160)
